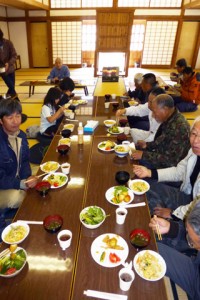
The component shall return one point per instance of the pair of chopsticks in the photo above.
(4, 253)
(38, 176)
(158, 229)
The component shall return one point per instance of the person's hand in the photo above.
(141, 171)
(6, 66)
(31, 181)
(137, 154)
(61, 109)
(55, 79)
(163, 224)
(141, 144)
(163, 212)
(120, 112)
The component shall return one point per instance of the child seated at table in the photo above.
(51, 112)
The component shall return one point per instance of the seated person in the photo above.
(138, 93)
(15, 171)
(66, 86)
(190, 92)
(143, 110)
(58, 72)
(168, 201)
(50, 113)
(171, 141)
(181, 64)
(183, 270)
(148, 83)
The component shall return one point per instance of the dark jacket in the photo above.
(8, 162)
(171, 145)
(8, 55)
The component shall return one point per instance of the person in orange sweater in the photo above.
(190, 92)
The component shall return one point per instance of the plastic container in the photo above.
(80, 133)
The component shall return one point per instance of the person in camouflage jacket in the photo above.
(171, 142)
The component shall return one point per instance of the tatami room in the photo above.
(136, 36)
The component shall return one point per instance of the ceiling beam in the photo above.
(24, 4)
(192, 4)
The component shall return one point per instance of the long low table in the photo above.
(51, 273)
(33, 84)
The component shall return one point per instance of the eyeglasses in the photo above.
(189, 241)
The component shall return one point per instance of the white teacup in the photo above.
(64, 238)
(126, 130)
(121, 214)
(65, 168)
(113, 96)
(107, 104)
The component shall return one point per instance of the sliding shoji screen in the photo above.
(65, 3)
(66, 41)
(149, 3)
(159, 42)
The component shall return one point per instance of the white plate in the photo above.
(103, 148)
(17, 271)
(121, 130)
(97, 248)
(69, 126)
(15, 225)
(56, 174)
(54, 163)
(110, 193)
(138, 181)
(161, 263)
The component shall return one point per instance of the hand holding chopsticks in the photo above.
(157, 228)
(33, 178)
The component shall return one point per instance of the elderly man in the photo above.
(173, 202)
(15, 171)
(141, 110)
(171, 142)
(8, 57)
(58, 72)
(183, 270)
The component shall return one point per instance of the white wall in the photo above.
(4, 28)
(18, 36)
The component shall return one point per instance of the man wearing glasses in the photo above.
(183, 270)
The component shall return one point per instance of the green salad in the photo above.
(10, 264)
(93, 215)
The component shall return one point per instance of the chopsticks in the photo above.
(158, 229)
(134, 205)
(4, 253)
(103, 295)
(31, 222)
(38, 176)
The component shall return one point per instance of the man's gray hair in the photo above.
(194, 218)
(164, 100)
(197, 120)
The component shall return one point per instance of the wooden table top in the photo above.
(55, 274)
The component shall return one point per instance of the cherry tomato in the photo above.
(10, 271)
(114, 258)
(56, 184)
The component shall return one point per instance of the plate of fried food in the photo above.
(109, 250)
(106, 146)
(119, 195)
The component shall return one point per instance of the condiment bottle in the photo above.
(80, 133)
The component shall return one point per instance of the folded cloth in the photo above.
(103, 295)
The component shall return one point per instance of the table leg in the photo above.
(29, 91)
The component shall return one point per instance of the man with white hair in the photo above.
(59, 72)
(183, 270)
(138, 92)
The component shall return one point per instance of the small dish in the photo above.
(122, 177)
(139, 186)
(69, 126)
(15, 233)
(139, 238)
(63, 149)
(66, 133)
(50, 166)
(109, 123)
(121, 150)
(43, 188)
(53, 223)
(92, 217)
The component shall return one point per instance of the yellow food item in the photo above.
(50, 166)
(120, 149)
(111, 243)
(139, 186)
(109, 122)
(149, 266)
(65, 141)
(15, 234)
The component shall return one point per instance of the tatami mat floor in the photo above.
(32, 106)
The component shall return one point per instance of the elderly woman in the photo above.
(167, 201)
(183, 270)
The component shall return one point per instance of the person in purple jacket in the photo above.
(59, 72)
(15, 168)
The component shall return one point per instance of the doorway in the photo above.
(39, 44)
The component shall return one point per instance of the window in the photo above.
(137, 37)
(149, 3)
(80, 3)
(97, 3)
(66, 41)
(88, 37)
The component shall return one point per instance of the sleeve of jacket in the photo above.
(140, 110)
(12, 54)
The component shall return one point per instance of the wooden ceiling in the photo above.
(24, 4)
(192, 4)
